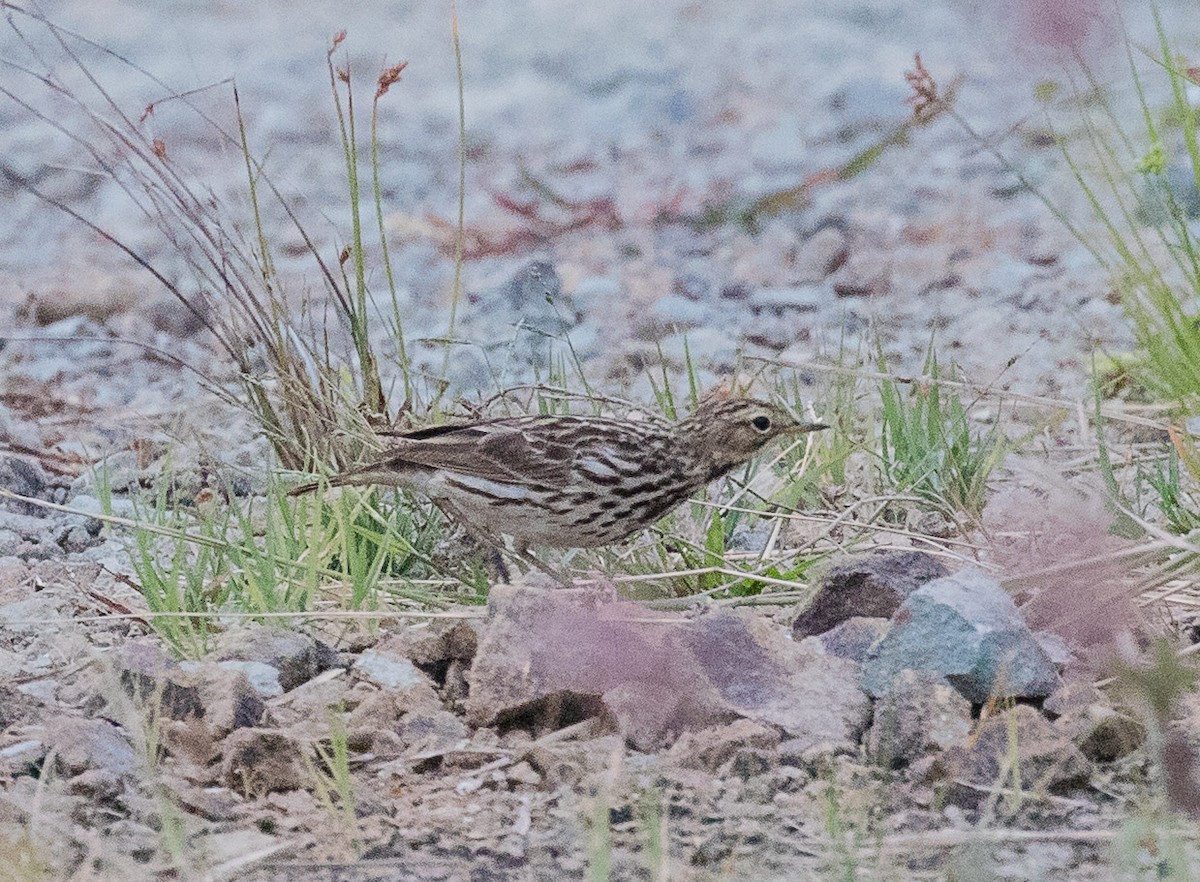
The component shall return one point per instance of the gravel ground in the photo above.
(652, 112)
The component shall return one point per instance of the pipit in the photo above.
(572, 481)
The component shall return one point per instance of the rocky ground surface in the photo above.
(560, 728)
(557, 729)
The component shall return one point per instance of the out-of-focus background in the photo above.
(590, 133)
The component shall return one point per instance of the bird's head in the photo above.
(728, 431)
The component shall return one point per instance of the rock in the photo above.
(431, 732)
(679, 313)
(777, 301)
(532, 286)
(222, 697)
(17, 432)
(855, 637)
(260, 761)
(655, 681)
(455, 687)
(920, 715)
(25, 479)
(1045, 757)
(1179, 774)
(864, 274)
(15, 706)
(1074, 696)
(434, 646)
(712, 747)
(966, 629)
(192, 742)
(820, 254)
(383, 709)
(523, 773)
(97, 786)
(1164, 195)
(1102, 734)
(1055, 647)
(530, 298)
(929, 523)
(150, 675)
(1187, 720)
(311, 701)
(229, 700)
(578, 655)
(749, 538)
(263, 678)
(688, 285)
(873, 585)
(763, 675)
(378, 712)
(393, 673)
(23, 758)
(26, 532)
(75, 539)
(80, 745)
(297, 657)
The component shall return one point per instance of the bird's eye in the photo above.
(761, 423)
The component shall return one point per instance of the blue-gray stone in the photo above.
(855, 637)
(966, 629)
(388, 671)
(263, 678)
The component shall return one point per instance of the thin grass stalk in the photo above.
(356, 314)
(377, 187)
(460, 229)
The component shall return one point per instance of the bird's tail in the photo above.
(304, 488)
(368, 474)
(326, 483)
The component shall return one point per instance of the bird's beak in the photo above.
(803, 426)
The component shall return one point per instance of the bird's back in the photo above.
(563, 481)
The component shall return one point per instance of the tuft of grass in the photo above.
(1129, 177)
(928, 448)
(275, 554)
(313, 387)
(333, 785)
(1173, 496)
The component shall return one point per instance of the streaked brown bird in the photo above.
(573, 481)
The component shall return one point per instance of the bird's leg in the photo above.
(522, 551)
(496, 558)
(490, 544)
(494, 545)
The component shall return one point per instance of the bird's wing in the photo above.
(499, 451)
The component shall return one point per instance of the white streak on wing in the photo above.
(597, 469)
(606, 464)
(473, 482)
